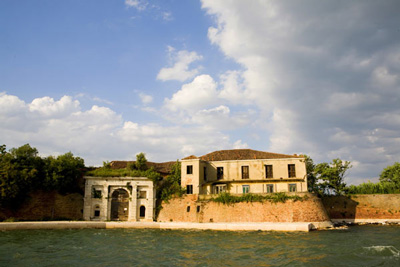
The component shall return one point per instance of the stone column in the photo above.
(133, 204)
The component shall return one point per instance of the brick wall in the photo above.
(47, 206)
(189, 209)
(363, 206)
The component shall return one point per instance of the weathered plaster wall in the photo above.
(363, 206)
(188, 209)
(48, 206)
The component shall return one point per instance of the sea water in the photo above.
(356, 246)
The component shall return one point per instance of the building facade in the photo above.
(119, 199)
(243, 171)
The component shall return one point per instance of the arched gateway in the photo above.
(119, 199)
(120, 205)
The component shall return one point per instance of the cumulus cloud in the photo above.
(200, 93)
(180, 61)
(138, 4)
(98, 134)
(320, 77)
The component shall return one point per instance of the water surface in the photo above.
(357, 246)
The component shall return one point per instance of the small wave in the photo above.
(384, 250)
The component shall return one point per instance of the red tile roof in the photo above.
(241, 154)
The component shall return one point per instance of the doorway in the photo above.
(120, 205)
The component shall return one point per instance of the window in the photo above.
(96, 193)
(292, 170)
(270, 188)
(205, 173)
(188, 209)
(246, 189)
(189, 189)
(245, 172)
(97, 211)
(268, 171)
(220, 189)
(142, 212)
(198, 208)
(142, 194)
(292, 187)
(189, 169)
(220, 173)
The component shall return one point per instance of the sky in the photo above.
(172, 78)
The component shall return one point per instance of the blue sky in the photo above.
(109, 79)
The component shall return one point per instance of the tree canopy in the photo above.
(391, 174)
(22, 170)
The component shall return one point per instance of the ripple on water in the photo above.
(149, 247)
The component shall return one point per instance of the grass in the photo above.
(227, 199)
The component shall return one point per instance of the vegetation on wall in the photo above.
(171, 186)
(139, 169)
(22, 171)
(227, 198)
(328, 178)
(389, 183)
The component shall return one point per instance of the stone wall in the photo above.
(363, 206)
(190, 209)
(47, 206)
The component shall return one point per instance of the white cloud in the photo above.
(323, 78)
(138, 4)
(99, 133)
(46, 106)
(180, 62)
(200, 93)
(146, 99)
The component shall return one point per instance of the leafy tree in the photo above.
(20, 169)
(141, 162)
(172, 184)
(391, 174)
(63, 172)
(311, 178)
(332, 176)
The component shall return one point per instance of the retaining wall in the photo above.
(363, 208)
(190, 209)
(47, 206)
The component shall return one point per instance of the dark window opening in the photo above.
(245, 172)
(189, 169)
(142, 212)
(270, 188)
(292, 170)
(198, 208)
(189, 189)
(268, 171)
(96, 213)
(292, 188)
(220, 173)
(188, 209)
(205, 173)
(96, 193)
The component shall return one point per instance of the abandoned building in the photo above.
(243, 171)
(119, 199)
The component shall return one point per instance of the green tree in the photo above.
(63, 173)
(141, 162)
(311, 178)
(332, 176)
(171, 186)
(391, 174)
(20, 170)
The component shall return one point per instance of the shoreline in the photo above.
(264, 226)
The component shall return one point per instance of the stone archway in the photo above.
(120, 205)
